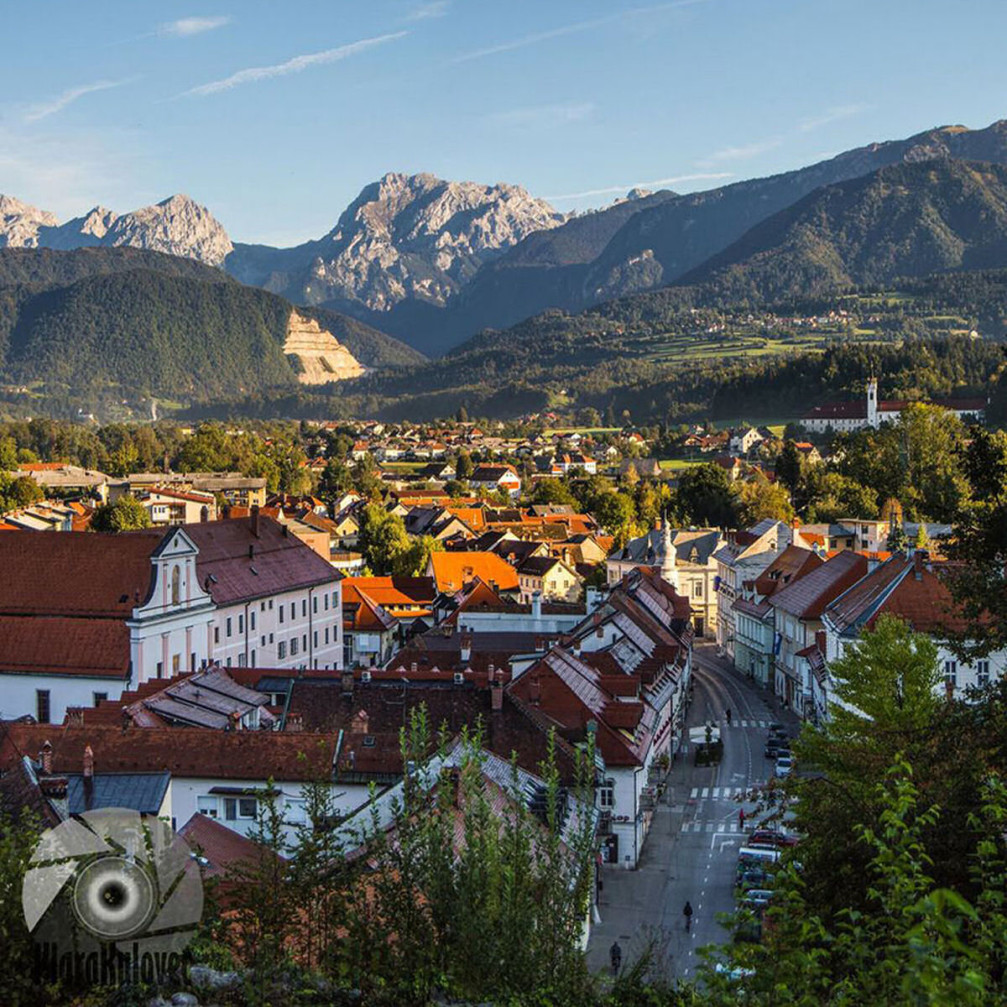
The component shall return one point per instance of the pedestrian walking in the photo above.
(615, 955)
(741, 819)
(727, 713)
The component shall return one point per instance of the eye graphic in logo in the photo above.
(113, 876)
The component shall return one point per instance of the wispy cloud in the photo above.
(656, 183)
(186, 26)
(570, 29)
(68, 97)
(743, 152)
(436, 8)
(293, 65)
(829, 116)
(545, 115)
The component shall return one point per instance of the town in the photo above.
(206, 646)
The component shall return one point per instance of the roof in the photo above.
(792, 564)
(278, 562)
(76, 574)
(539, 566)
(143, 792)
(492, 473)
(57, 645)
(453, 570)
(362, 614)
(183, 752)
(807, 597)
(224, 850)
(649, 548)
(395, 592)
(904, 587)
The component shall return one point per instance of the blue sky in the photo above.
(275, 114)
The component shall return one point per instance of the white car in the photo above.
(784, 766)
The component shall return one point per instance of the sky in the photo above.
(275, 114)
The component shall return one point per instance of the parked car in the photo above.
(755, 877)
(756, 898)
(779, 731)
(784, 766)
(772, 749)
(771, 837)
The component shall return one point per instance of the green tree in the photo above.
(758, 499)
(126, 514)
(464, 466)
(336, 479)
(413, 561)
(383, 539)
(705, 497)
(790, 466)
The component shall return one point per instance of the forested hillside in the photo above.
(120, 323)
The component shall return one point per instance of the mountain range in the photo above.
(433, 262)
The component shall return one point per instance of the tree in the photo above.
(830, 496)
(790, 466)
(336, 479)
(413, 562)
(18, 493)
(126, 514)
(383, 539)
(759, 499)
(464, 466)
(705, 497)
(552, 491)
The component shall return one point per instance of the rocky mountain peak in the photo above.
(417, 237)
(20, 223)
(177, 225)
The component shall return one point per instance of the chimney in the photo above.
(253, 521)
(45, 757)
(251, 551)
(236, 720)
(920, 562)
(466, 642)
(347, 682)
(359, 723)
(204, 514)
(75, 716)
(535, 691)
(496, 692)
(88, 776)
(575, 647)
(413, 668)
(536, 606)
(295, 723)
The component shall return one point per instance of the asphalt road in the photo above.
(691, 851)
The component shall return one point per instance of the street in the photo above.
(691, 850)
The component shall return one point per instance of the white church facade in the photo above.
(844, 417)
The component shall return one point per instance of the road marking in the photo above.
(695, 792)
(703, 792)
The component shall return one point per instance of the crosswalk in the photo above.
(763, 724)
(721, 828)
(719, 793)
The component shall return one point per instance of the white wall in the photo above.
(18, 693)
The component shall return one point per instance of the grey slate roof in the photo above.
(141, 792)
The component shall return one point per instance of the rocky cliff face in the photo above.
(405, 237)
(20, 223)
(176, 226)
(315, 353)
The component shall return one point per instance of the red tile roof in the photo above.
(808, 597)
(229, 853)
(453, 570)
(184, 752)
(56, 645)
(61, 573)
(279, 562)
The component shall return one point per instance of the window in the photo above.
(326, 636)
(192, 661)
(241, 660)
(228, 662)
(270, 637)
(270, 604)
(281, 615)
(176, 663)
(263, 606)
(606, 796)
(314, 642)
(251, 620)
(262, 641)
(304, 642)
(335, 599)
(228, 630)
(100, 697)
(982, 673)
(253, 658)
(304, 607)
(42, 708)
(216, 634)
(951, 674)
(293, 646)
(159, 670)
(230, 809)
(281, 650)
(314, 604)
(293, 611)
(241, 624)
(207, 805)
(248, 807)
(326, 603)
(697, 589)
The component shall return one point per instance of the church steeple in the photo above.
(669, 571)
